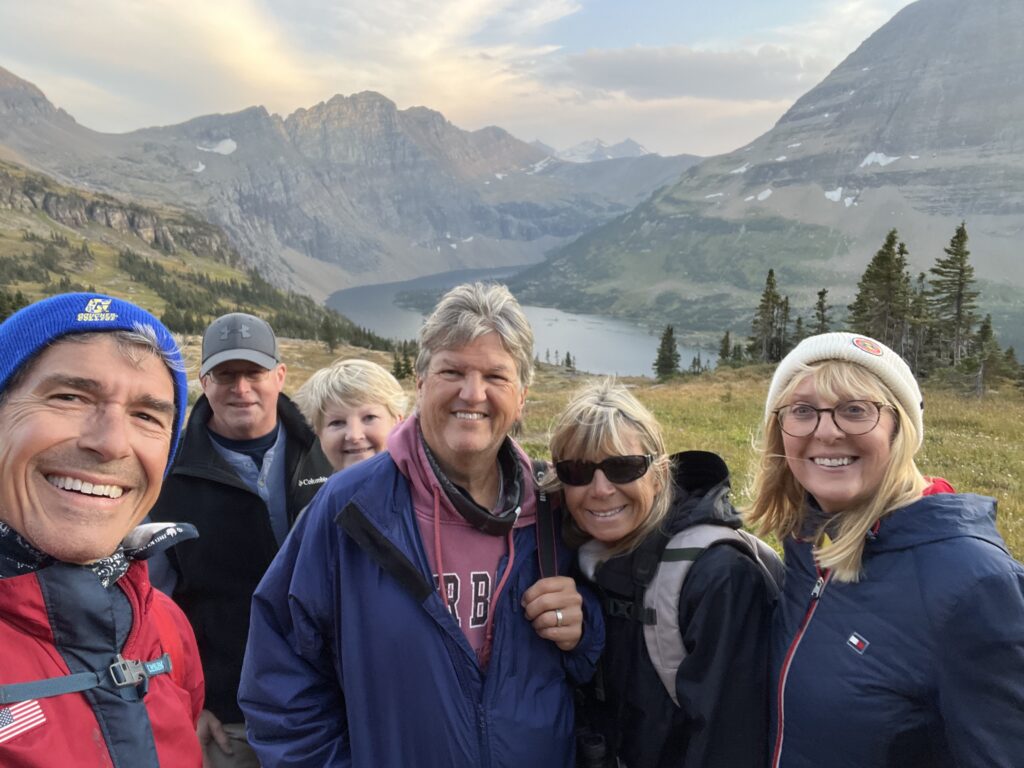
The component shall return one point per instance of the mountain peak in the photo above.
(20, 97)
(595, 150)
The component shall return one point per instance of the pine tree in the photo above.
(882, 306)
(737, 353)
(765, 332)
(822, 319)
(724, 350)
(953, 297)
(666, 364)
(330, 332)
(920, 354)
(799, 332)
(990, 358)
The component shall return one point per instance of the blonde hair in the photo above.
(349, 383)
(598, 421)
(780, 502)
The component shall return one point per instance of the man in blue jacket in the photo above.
(405, 621)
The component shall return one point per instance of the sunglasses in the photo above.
(618, 469)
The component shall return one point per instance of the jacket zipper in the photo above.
(819, 587)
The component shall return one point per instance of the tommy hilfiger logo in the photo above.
(858, 643)
(97, 311)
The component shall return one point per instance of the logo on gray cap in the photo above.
(239, 336)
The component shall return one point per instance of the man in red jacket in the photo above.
(99, 668)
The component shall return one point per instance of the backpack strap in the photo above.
(123, 673)
(170, 639)
(547, 551)
(663, 637)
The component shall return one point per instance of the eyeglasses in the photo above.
(852, 417)
(618, 469)
(227, 378)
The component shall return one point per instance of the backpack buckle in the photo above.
(125, 672)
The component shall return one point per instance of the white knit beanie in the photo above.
(859, 350)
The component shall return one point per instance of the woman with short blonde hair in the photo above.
(352, 405)
(899, 636)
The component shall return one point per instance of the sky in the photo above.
(679, 76)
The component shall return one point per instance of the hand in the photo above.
(545, 600)
(209, 729)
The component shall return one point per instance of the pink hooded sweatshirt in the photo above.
(469, 558)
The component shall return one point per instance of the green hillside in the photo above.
(55, 239)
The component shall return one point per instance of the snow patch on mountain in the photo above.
(834, 195)
(222, 147)
(878, 158)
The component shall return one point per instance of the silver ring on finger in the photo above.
(559, 617)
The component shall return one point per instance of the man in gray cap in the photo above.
(248, 464)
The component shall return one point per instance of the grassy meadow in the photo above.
(976, 444)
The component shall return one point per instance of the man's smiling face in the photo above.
(84, 441)
(468, 401)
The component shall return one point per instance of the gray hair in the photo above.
(349, 383)
(471, 310)
(136, 345)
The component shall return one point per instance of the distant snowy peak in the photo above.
(595, 149)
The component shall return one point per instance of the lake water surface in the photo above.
(598, 344)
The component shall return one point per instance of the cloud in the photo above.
(839, 28)
(766, 73)
(119, 65)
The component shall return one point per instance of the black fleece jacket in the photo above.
(218, 572)
(724, 612)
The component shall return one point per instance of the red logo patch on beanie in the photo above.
(867, 345)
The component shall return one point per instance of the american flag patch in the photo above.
(15, 719)
(858, 643)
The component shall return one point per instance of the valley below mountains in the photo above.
(350, 191)
(919, 129)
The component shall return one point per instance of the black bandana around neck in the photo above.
(18, 557)
(511, 489)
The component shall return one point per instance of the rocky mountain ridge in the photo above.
(920, 128)
(350, 191)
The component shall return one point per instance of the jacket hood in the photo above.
(936, 518)
(701, 480)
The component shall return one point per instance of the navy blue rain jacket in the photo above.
(354, 660)
(920, 663)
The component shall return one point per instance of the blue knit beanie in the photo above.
(28, 331)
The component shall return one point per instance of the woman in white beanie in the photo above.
(899, 637)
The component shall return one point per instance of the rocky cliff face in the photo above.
(349, 191)
(25, 193)
(920, 128)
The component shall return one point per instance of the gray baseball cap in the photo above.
(238, 336)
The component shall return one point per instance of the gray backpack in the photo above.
(662, 632)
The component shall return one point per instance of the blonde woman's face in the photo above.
(352, 433)
(840, 471)
(609, 511)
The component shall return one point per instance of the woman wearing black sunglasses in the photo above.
(627, 498)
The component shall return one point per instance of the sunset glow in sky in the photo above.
(675, 75)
